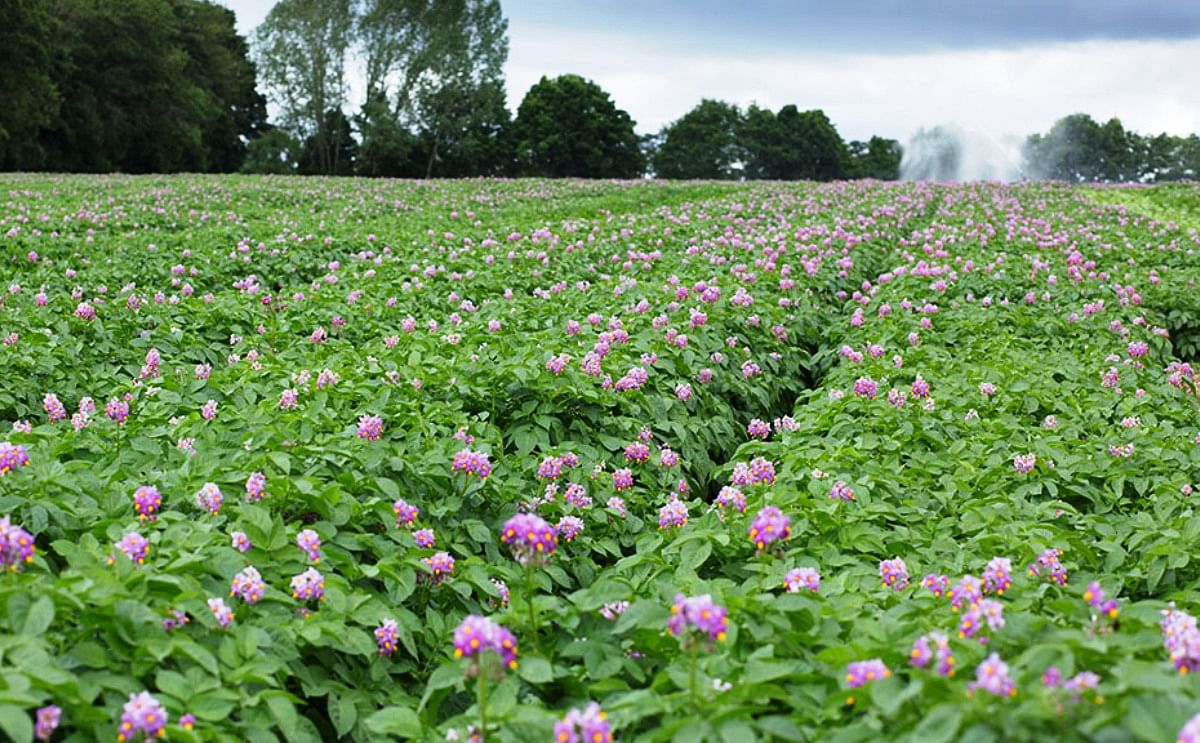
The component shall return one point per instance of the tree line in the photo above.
(169, 85)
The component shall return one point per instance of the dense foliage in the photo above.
(328, 459)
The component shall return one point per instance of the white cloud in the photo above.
(996, 92)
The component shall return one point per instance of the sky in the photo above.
(997, 68)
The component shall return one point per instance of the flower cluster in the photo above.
(370, 427)
(308, 585)
(146, 501)
(405, 514)
(440, 566)
(731, 497)
(1024, 463)
(248, 586)
(637, 452)
(569, 527)
(142, 714)
(1048, 564)
(938, 585)
(992, 677)
(387, 635)
(587, 726)
(699, 612)
(16, 546)
(529, 537)
(894, 574)
(622, 479)
(1181, 638)
(222, 613)
(476, 635)
(209, 497)
(799, 578)
(135, 547)
(12, 457)
(309, 542)
(47, 721)
(864, 672)
(997, 576)
(240, 542)
(769, 526)
(470, 462)
(922, 653)
(256, 483)
(673, 514)
(1096, 598)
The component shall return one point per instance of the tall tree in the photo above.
(301, 49)
(219, 65)
(1070, 151)
(569, 127)
(30, 57)
(701, 144)
(760, 138)
(877, 158)
(438, 64)
(792, 145)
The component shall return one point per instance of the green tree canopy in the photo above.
(569, 127)
(703, 143)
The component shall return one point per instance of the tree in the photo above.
(271, 152)
(438, 65)
(30, 56)
(569, 127)
(301, 49)
(877, 158)
(218, 64)
(792, 145)
(703, 143)
(334, 147)
(1070, 151)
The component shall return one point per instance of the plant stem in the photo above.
(692, 691)
(484, 670)
(529, 588)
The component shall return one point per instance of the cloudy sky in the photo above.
(889, 67)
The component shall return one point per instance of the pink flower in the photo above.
(370, 427)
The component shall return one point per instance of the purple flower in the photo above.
(1052, 678)
(47, 721)
(587, 726)
(550, 468)
(209, 410)
(117, 411)
(501, 589)
(441, 567)
(923, 653)
(176, 620)
(799, 578)
(938, 585)
(992, 677)
(622, 479)
(387, 635)
(637, 452)
(1096, 598)
(476, 635)
(997, 576)
(866, 387)
(255, 484)
(762, 471)
(469, 462)
(146, 501)
(987, 389)
(841, 491)
(209, 497)
(287, 399)
(12, 457)
(142, 714)
(967, 592)
(699, 612)
(405, 514)
(865, 671)
(248, 585)
(309, 542)
(222, 613)
(424, 538)
(1048, 564)
(673, 514)
(569, 527)
(135, 547)
(529, 537)
(617, 504)
(894, 574)
(187, 722)
(758, 429)
(731, 497)
(1190, 733)
(55, 411)
(920, 388)
(241, 542)
(370, 427)
(308, 585)
(768, 526)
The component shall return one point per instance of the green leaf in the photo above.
(400, 721)
(535, 670)
(40, 617)
(939, 725)
(16, 723)
(342, 713)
